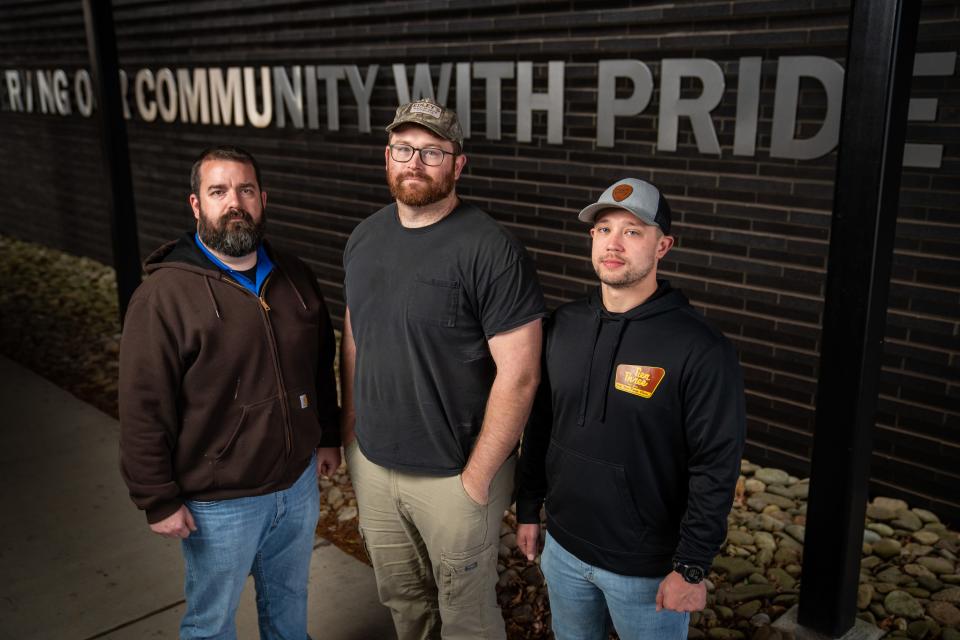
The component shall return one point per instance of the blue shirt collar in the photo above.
(264, 267)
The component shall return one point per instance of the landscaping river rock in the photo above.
(58, 316)
(909, 582)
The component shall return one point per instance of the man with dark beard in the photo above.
(228, 405)
(440, 361)
(635, 438)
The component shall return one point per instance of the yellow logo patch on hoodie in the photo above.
(639, 380)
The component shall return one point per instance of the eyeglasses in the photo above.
(430, 156)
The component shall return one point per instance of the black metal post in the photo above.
(102, 44)
(881, 45)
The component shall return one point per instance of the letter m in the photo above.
(223, 95)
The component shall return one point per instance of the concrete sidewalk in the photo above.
(77, 560)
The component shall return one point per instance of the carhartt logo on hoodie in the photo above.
(638, 380)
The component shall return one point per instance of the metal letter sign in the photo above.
(790, 69)
(261, 96)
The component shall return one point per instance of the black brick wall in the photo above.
(752, 233)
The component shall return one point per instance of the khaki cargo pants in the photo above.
(434, 550)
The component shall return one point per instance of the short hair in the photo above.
(222, 152)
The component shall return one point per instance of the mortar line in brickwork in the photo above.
(911, 343)
(918, 435)
(558, 254)
(753, 260)
(779, 426)
(927, 496)
(726, 283)
(805, 459)
(918, 376)
(950, 320)
(776, 372)
(794, 403)
(774, 345)
(278, 224)
(757, 234)
(938, 288)
(925, 469)
(920, 405)
(590, 283)
(926, 254)
(563, 232)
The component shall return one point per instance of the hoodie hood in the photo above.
(664, 300)
(184, 254)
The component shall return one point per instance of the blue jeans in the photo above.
(584, 599)
(268, 536)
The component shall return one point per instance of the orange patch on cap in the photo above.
(621, 192)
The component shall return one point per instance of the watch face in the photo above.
(693, 574)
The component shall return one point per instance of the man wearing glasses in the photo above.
(440, 362)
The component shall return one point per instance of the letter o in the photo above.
(83, 92)
(167, 99)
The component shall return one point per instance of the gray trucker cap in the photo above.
(640, 198)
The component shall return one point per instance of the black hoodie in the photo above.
(223, 394)
(636, 435)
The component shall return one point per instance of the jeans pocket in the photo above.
(467, 578)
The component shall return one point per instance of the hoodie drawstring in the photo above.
(294, 287)
(622, 322)
(611, 363)
(213, 300)
(597, 324)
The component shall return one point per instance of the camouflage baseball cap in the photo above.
(427, 113)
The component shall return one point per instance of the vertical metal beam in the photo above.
(104, 67)
(881, 46)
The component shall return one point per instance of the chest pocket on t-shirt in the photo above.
(434, 301)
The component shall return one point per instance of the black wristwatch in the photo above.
(689, 572)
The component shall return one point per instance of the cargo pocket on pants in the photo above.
(466, 577)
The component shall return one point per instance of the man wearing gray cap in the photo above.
(635, 438)
(440, 363)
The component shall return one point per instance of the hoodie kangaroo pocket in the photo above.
(254, 452)
(590, 499)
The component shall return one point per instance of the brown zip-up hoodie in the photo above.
(223, 394)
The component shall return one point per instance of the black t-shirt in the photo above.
(423, 303)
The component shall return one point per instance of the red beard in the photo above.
(422, 193)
